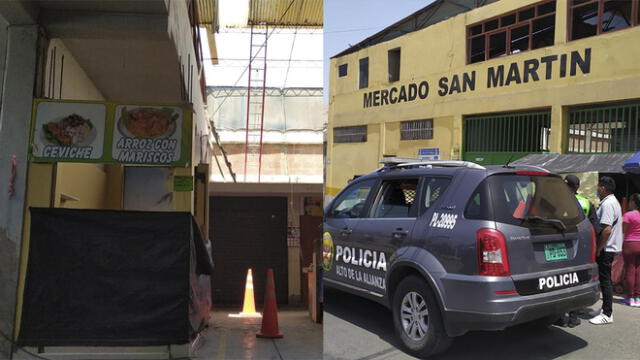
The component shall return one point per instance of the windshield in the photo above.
(531, 201)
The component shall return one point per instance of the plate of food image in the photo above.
(147, 123)
(71, 130)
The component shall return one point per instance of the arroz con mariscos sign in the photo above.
(530, 70)
(68, 131)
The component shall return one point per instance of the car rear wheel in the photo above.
(417, 318)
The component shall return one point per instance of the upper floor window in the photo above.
(342, 70)
(350, 134)
(394, 65)
(364, 73)
(416, 129)
(528, 28)
(595, 17)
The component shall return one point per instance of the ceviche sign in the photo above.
(68, 131)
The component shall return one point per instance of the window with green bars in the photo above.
(603, 129)
(508, 132)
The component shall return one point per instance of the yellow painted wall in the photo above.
(86, 183)
(440, 51)
(76, 84)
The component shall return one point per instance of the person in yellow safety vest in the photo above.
(573, 182)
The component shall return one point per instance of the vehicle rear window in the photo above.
(524, 200)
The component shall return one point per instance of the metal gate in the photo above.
(248, 232)
(604, 129)
(497, 138)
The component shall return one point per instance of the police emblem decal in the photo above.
(327, 251)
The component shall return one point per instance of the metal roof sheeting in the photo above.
(286, 13)
(208, 18)
(208, 13)
(577, 163)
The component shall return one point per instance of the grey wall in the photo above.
(15, 118)
(3, 52)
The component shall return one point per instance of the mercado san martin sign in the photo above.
(68, 131)
(531, 70)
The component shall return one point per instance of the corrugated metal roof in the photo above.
(208, 18)
(286, 13)
(575, 163)
(208, 13)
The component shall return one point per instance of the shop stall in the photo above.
(114, 253)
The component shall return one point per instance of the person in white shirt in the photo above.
(609, 244)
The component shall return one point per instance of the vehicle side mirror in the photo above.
(356, 210)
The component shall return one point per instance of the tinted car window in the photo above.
(396, 199)
(433, 188)
(350, 203)
(524, 200)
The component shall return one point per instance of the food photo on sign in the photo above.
(147, 134)
(69, 131)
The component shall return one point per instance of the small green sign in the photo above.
(182, 183)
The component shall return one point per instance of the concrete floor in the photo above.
(233, 338)
(355, 328)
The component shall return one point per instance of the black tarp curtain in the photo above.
(110, 278)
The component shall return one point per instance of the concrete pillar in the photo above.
(15, 120)
(561, 35)
(559, 128)
(457, 136)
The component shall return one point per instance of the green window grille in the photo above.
(604, 129)
(508, 132)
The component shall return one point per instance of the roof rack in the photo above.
(407, 163)
(528, 167)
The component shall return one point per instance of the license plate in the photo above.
(556, 251)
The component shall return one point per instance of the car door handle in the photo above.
(399, 234)
(346, 232)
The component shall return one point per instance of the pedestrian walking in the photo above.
(631, 251)
(609, 244)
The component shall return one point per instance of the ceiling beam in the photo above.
(103, 25)
(18, 12)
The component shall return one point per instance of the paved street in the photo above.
(355, 328)
(233, 338)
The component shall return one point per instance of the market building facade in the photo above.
(488, 82)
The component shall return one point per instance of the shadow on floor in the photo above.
(522, 341)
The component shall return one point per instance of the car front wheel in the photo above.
(417, 318)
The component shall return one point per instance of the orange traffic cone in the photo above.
(270, 320)
(249, 306)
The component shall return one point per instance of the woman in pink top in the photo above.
(631, 250)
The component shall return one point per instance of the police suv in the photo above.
(452, 246)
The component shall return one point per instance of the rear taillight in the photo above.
(592, 257)
(493, 258)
